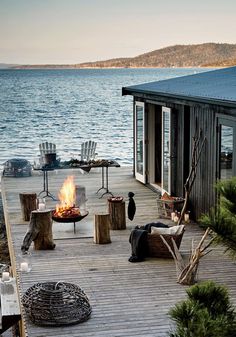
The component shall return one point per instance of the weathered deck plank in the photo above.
(128, 299)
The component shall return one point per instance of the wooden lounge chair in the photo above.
(47, 153)
(88, 150)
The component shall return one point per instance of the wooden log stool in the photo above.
(102, 228)
(28, 202)
(116, 210)
(40, 231)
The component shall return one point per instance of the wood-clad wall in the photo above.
(177, 163)
(203, 192)
(191, 115)
(201, 117)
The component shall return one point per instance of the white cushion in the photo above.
(174, 230)
(160, 230)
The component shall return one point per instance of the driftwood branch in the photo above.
(196, 154)
(179, 262)
(186, 272)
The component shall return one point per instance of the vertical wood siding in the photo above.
(203, 192)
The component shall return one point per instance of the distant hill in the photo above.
(198, 55)
(6, 65)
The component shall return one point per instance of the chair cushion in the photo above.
(174, 230)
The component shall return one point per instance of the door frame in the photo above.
(140, 175)
(163, 155)
(230, 122)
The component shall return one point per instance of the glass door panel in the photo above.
(166, 149)
(139, 142)
(226, 152)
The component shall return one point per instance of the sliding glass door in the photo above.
(166, 149)
(140, 155)
(227, 148)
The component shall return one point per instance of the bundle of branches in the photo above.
(221, 220)
(187, 271)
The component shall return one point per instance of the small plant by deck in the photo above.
(207, 312)
(221, 220)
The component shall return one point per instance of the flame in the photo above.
(66, 195)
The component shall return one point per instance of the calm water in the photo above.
(67, 107)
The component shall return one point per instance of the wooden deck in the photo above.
(127, 299)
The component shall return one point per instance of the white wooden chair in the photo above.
(88, 150)
(45, 148)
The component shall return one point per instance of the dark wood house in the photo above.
(167, 115)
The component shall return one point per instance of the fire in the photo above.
(67, 197)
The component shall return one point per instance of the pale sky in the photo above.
(74, 31)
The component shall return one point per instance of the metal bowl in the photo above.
(69, 219)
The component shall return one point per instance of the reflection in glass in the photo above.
(139, 139)
(166, 150)
(226, 152)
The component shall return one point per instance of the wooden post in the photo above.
(101, 228)
(117, 215)
(40, 231)
(28, 203)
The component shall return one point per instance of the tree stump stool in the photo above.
(102, 228)
(117, 215)
(28, 202)
(40, 231)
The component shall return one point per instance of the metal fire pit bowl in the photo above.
(69, 219)
(56, 303)
(73, 219)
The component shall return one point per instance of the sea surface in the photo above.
(69, 106)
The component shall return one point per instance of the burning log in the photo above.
(69, 212)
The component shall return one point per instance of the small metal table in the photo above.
(45, 192)
(105, 179)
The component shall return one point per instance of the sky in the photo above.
(75, 31)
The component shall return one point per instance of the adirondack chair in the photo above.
(47, 148)
(88, 150)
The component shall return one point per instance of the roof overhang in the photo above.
(216, 87)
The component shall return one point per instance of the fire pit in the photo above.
(66, 211)
(67, 219)
(70, 218)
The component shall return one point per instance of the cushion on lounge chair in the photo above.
(174, 230)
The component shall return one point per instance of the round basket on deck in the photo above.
(56, 303)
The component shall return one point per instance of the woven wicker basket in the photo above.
(56, 303)
(157, 248)
(166, 207)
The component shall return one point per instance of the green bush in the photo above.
(207, 312)
(222, 219)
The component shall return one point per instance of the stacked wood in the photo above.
(102, 228)
(117, 215)
(40, 231)
(28, 202)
